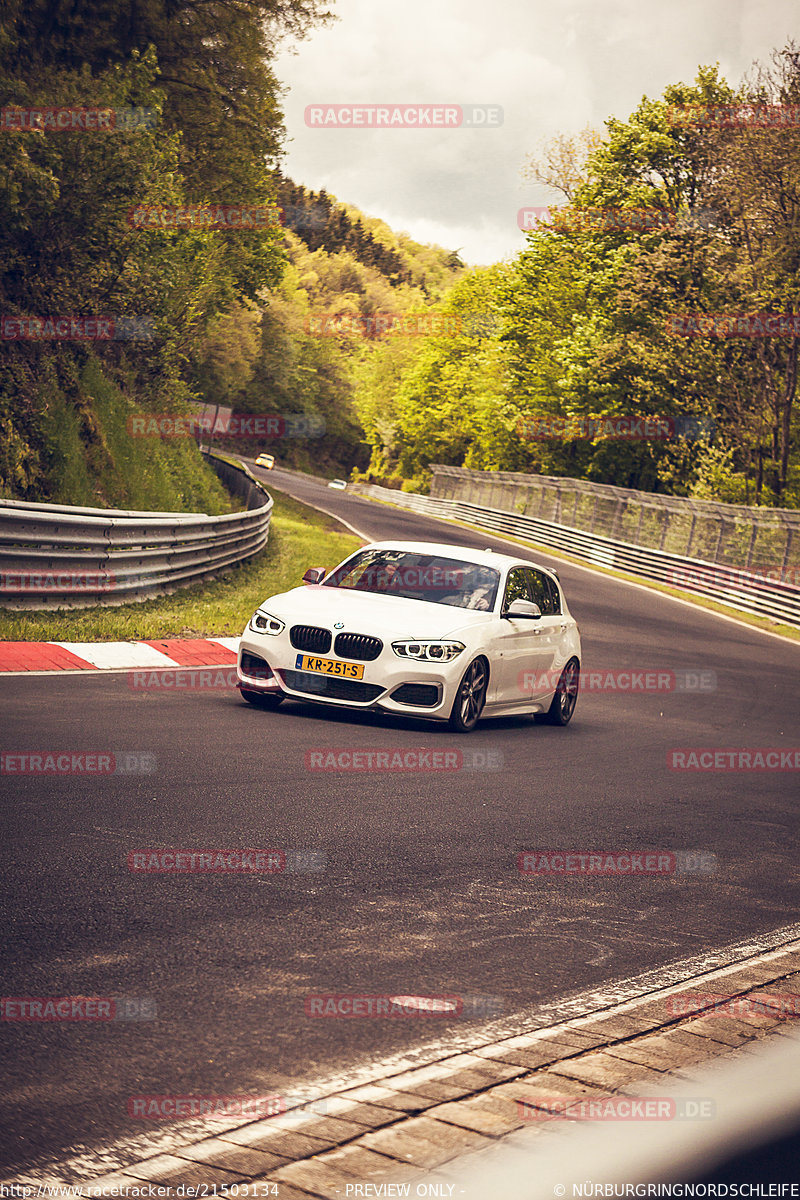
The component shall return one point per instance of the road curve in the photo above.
(421, 893)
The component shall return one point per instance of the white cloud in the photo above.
(554, 66)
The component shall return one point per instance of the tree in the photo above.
(756, 190)
(67, 245)
(561, 164)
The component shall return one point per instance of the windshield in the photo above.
(415, 576)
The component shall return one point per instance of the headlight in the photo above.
(264, 622)
(428, 651)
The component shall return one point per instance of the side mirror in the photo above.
(314, 575)
(523, 608)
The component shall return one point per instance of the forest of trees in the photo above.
(319, 313)
(585, 314)
(305, 346)
(201, 74)
(322, 223)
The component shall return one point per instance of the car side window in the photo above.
(544, 592)
(555, 596)
(516, 586)
(539, 593)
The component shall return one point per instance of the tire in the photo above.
(261, 700)
(562, 706)
(470, 697)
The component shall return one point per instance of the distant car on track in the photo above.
(338, 483)
(421, 629)
(266, 460)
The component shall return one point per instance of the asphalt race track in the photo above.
(421, 893)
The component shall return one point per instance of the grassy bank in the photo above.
(299, 537)
(77, 449)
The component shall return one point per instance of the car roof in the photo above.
(486, 558)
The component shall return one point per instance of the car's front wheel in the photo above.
(470, 697)
(262, 699)
(562, 706)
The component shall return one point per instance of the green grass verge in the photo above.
(299, 537)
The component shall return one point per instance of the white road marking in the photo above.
(230, 643)
(111, 655)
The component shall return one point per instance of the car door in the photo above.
(551, 631)
(522, 654)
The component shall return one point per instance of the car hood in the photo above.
(365, 612)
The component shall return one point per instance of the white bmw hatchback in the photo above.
(418, 629)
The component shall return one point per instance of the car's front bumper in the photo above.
(428, 689)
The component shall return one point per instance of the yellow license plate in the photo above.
(329, 666)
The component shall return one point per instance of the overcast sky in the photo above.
(555, 66)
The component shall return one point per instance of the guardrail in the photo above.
(737, 588)
(56, 556)
(736, 535)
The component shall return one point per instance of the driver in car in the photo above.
(476, 590)
(482, 584)
(385, 580)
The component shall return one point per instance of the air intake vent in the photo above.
(420, 695)
(330, 686)
(254, 667)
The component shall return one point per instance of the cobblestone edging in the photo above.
(408, 1124)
